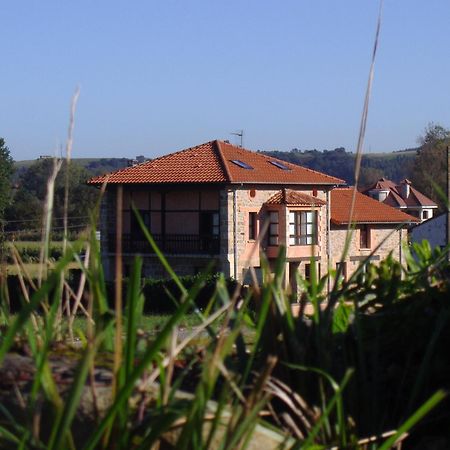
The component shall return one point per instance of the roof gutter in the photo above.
(375, 223)
(289, 183)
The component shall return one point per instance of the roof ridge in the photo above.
(222, 160)
(415, 192)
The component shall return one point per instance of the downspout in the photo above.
(328, 239)
(235, 233)
(400, 246)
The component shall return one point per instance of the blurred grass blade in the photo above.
(434, 400)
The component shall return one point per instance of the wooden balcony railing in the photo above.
(178, 244)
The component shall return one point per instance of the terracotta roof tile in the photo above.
(266, 172)
(294, 198)
(194, 165)
(395, 197)
(417, 198)
(366, 210)
(212, 162)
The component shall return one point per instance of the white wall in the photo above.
(433, 230)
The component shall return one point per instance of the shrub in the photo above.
(162, 295)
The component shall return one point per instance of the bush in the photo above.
(159, 294)
(15, 293)
(30, 252)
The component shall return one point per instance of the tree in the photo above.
(6, 171)
(28, 206)
(429, 174)
(369, 175)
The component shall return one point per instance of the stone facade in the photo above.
(243, 200)
(180, 212)
(387, 237)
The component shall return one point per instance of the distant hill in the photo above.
(95, 166)
(340, 163)
(395, 165)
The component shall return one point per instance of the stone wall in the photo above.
(251, 198)
(389, 238)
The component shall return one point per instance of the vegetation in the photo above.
(27, 208)
(344, 374)
(341, 164)
(367, 368)
(430, 169)
(6, 171)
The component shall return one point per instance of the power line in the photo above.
(54, 218)
(40, 229)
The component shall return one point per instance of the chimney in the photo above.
(405, 188)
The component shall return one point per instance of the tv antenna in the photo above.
(240, 134)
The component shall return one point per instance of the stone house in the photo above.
(223, 205)
(377, 230)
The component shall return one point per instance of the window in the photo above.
(302, 228)
(364, 237)
(280, 165)
(242, 164)
(273, 228)
(209, 224)
(135, 229)
(425, 214)
(309, 272)
(252, 225)
(342, 267)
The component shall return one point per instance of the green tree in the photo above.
(429, 174)
(27, 208)
(6, 171)
(370, 175)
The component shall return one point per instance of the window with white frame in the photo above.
(273, 228)
(302, 227)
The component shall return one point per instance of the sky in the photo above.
(159, 76)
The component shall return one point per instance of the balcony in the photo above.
(174, 244)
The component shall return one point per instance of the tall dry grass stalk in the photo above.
(364, 115)
(69, 145)
(47, 224)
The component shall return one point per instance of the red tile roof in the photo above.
(395, 197)
(212, 162)
(293, 198)
(366, 210)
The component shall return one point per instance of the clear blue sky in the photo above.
(158, 76)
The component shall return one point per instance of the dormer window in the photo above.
(242, 164)
(280, 165)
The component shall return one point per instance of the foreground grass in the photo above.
(148, 323)
(32, 269)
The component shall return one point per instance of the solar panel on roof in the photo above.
(280, 165)
(242, 164)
